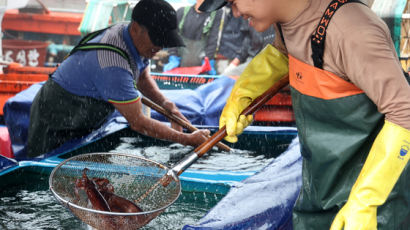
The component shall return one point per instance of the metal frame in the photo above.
(68, 204)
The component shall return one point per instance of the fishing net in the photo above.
(129, 176)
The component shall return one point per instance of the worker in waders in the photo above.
(199, 31)
(352, 107)
(108, 70)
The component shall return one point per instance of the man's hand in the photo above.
(198, 137)
(171, 107)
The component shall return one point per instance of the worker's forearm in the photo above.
(149, 88)
(156, 129)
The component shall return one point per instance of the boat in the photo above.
(65, 25)
(207, 97)
(202, 106)
(235, 186)
(199, 187)
(280, 148)
(195, 180)
(213, 184)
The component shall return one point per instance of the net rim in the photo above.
(70, 204)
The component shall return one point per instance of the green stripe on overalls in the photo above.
(83, 45)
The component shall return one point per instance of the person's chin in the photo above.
(260, 27)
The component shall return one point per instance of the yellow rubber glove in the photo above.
(386, 161)
(262, 72)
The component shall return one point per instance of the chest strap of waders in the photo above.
(84, 46)
(319, 36)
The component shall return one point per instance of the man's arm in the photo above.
(370, 61)
(153, 128)
(116, 86)
(149, 88)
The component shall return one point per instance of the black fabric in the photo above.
(407, 76)
(103, 46)
(193, 27)
(159, 17)
(281, 33)
(85, 45)
(71, 117)
(258, 40)
(319, 36)
(212, 5)
(84, 40)
(235, 37)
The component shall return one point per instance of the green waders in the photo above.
(337, 124)
(57, 116)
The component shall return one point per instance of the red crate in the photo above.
(27, 53)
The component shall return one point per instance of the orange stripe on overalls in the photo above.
(319, 83)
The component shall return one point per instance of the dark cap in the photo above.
(212, 5)
(160, 19)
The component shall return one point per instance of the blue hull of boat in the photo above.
(217, 182)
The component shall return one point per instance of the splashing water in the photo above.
(236, 160)
(30, 205)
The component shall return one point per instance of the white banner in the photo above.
(13, 4)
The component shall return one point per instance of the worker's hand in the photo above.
(355, 215)
(386, 161)
(171, 107)
(198, 137)
(232, 65)
(173, 62)
(160, 55)
(263, 71)
(229, 117)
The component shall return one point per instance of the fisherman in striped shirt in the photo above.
(109, 71)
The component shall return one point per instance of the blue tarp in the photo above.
(6, 163)
(262, 201)
(201, 106)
